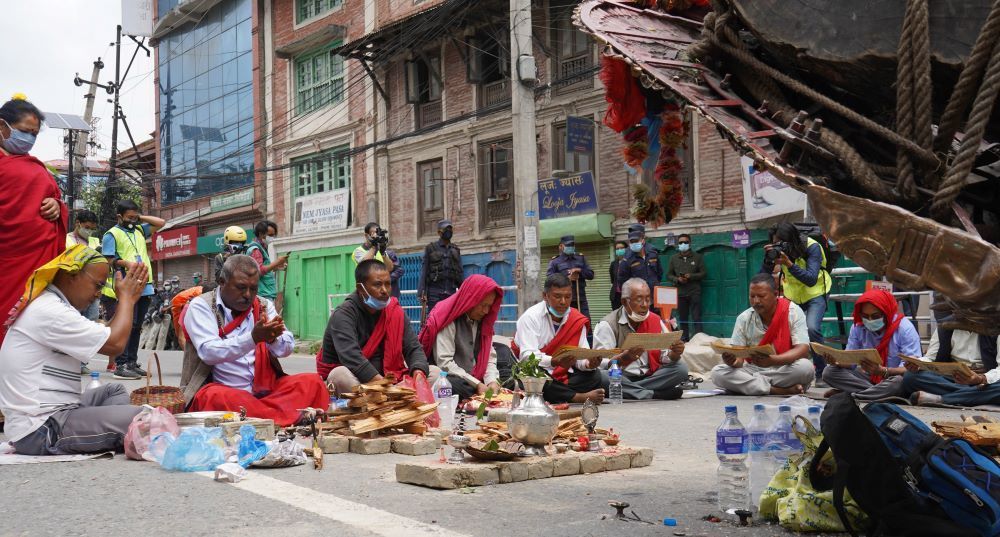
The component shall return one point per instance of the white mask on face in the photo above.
(635, 317)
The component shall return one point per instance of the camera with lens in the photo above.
(381, 239)
(775, 252)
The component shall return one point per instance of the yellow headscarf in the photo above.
(72, 260)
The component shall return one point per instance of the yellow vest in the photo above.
(93, 243)
(798, 292)
(128, 246)
(360, 251)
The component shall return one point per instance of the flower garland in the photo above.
(662, 208)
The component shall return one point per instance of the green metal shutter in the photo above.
(598, 256)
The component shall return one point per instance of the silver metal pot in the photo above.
(533, 423)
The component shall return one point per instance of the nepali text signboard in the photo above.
(232, 200)
(180, 242)
(212, 244)
(579, 134)
(765, 196)
(567, 196)
(322, 212)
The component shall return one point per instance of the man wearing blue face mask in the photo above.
(621, 248)
(575, 267)
(642, 261)
(685, 271)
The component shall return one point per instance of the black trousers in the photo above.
(461, 387)
(579, 382)
(131, 354)
(689, 314)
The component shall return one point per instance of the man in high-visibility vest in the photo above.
(85, 233)
(125, 245)
(263, 232)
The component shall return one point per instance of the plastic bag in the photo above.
(145, 426)
(282, 455)
(251, 449)
(197, 449)
(230, 473)
(158, 447)
(424, 395)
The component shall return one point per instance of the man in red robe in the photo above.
(230, 360)
(34, 219)
(771, 320)
(549, 325)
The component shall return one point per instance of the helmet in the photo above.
(234, 234)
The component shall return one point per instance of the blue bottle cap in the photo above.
(94, 374)
(669, 522)
(814, 410)
(730, 408)
(758, 406)
(785, 408)
(443, 374)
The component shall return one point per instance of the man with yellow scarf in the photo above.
(47, 340)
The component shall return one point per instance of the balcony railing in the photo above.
(494, 93)
(429, 113)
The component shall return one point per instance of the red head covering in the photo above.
(473, 290)
(886, 303)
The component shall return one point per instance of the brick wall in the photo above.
(718, 170)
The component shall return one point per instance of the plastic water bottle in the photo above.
(95, 381)
(814, 412)
(781, 430)
(615, 386)
(760, 471)
(442, 387)
(732, 444)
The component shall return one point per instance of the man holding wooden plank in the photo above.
(649, 373)
(770, 321)
(878, 325)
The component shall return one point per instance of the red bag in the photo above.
(144, 428)
(424, 395)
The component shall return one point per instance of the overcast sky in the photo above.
(46, 42)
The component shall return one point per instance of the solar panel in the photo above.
(71, 122)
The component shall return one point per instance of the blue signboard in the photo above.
(579, 135)
(567, 196)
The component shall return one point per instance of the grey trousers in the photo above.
(666, 377)
(99, 424)
(161, 336)
(753, 380)
(856, 381)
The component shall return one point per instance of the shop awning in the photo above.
(585, 227)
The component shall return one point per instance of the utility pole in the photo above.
(111, 188)
(525, 166)
(78, 148)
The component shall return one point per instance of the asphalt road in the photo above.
(356, 495)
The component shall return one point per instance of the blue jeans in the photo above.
(951, 392)
(815, 309)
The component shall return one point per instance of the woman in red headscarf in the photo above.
(459, 336)
(879, 325)
(33, 215)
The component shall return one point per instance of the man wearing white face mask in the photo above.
(647, 375)
(85, 233)
(686, 270)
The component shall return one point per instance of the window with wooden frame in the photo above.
(307, 9)
(319, 79)
(496, 169)
(571, 161)
(574, 51)
(424, 87)
(489, 66)
(322, 172)
(430, 188)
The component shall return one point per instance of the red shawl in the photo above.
(886, 303)
(264, 377)
(779, 332)
(568, 334)
(30, 240)
(389, 330)
(473, 290)
(652, 326)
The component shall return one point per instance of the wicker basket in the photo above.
(168, 397)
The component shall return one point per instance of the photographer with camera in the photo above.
(376, 246)
(805, 280)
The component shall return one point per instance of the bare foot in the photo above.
(792, 390)
(830, 393)
(597, 395)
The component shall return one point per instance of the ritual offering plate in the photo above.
(506, 451)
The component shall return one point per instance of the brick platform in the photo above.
(475, 473)
(403, 444)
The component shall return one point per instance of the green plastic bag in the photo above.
(791, 500)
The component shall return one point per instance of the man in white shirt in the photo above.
(926, 388)
(646, 375)
(546, 327)
(41, 356)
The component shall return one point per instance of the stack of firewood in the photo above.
(379, 406)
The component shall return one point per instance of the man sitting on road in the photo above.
(770, 320)
(230, 361)
(368, 336)
(48, 341)
(927, 388)
(646, 375)
(459, 335)
(549, 325)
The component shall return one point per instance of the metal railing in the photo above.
(840, 298)
(494, 93)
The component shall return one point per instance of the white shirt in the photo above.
(535, 329)
(750, 328)
(444, 352)
(604, 338)
(40, 361)
(232, 359)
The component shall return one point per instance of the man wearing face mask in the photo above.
(34, 218)
(685, 271)
(642, 261)
(368, 336)
(575, 267)
(263, 232)
(125, 246)
(550, 325)
(879, 325)
(442, 270)
(376, 246)
(621, 248)
(647, 375)
(234, 241)
(85, 233)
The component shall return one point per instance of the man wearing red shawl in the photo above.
(459, 335)
(34, 218)
(879, 325)
(549, 325)
(234, 341)
(647, 375)
(369, 337)
(770, 320)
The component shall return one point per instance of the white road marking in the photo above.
(356, 515)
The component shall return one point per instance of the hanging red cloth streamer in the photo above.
(626, 103)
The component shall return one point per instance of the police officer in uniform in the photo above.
(441, 273)
(574, 266)
(642, 260)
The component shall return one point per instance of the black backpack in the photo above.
(883, 487)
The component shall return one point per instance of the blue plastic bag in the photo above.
(251, 449)
(198, 449)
